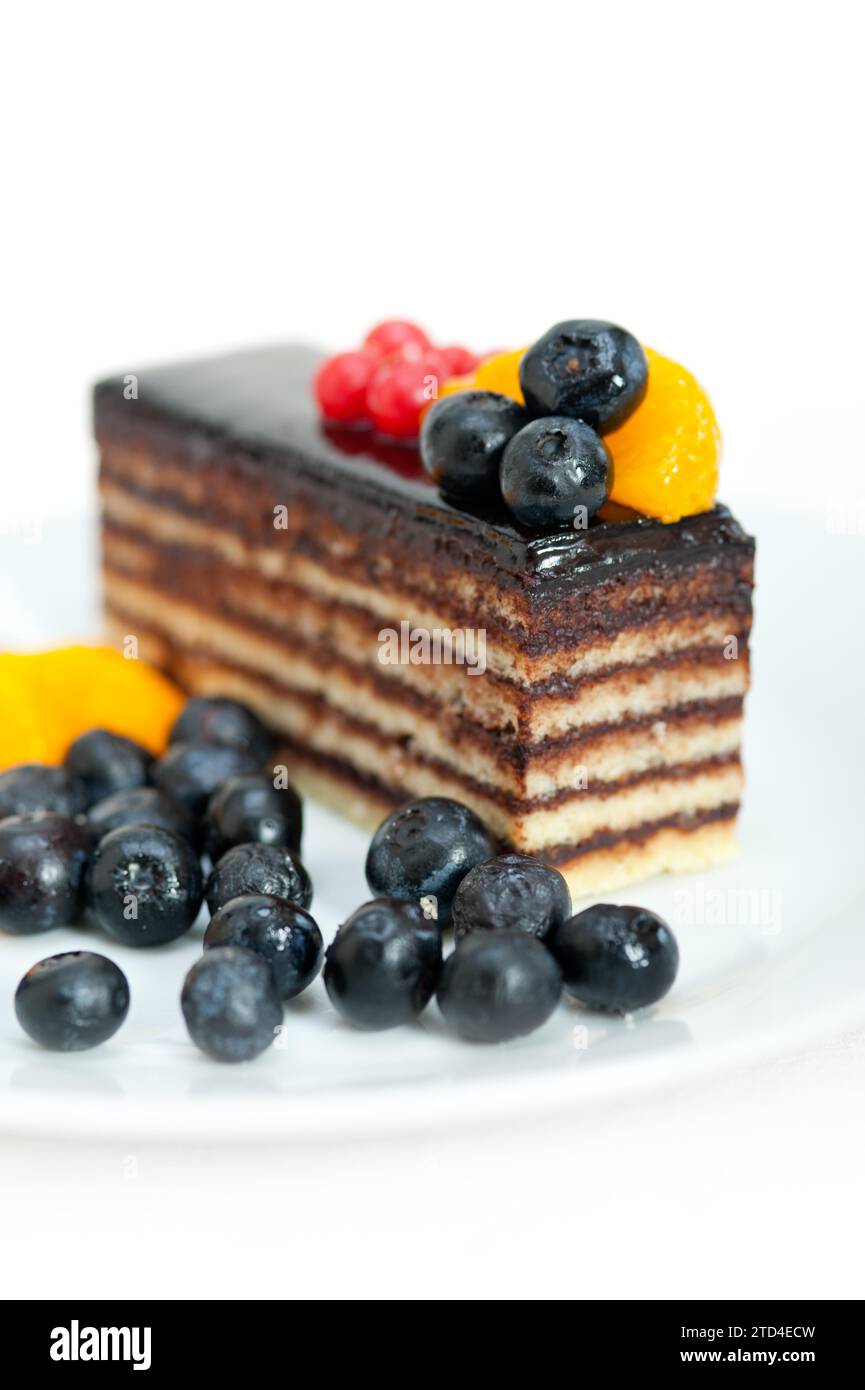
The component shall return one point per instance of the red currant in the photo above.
(460, 361)
(399, 391)
(341, 384)
(396, 338)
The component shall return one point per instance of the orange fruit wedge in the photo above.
(501, 373)
(48, 698)
(666, 455)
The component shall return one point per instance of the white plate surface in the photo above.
(773, 946)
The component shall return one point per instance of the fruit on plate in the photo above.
(136, 806)
(48, 698)
(30, 787)
(422, 852)
(616, 959)
(517, 943)
(144, 885)
(72, 1001)
(285, 935)
(511, 892)
(383, 965)
(106, 763)
(227, 723)
(498, 985)
(666, 456)
(256, 868)
(249, 809)
(231, 1005)
(189, 773)
(43, 861)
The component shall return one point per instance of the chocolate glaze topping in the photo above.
(251, 417)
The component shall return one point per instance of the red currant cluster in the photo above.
(389, 380)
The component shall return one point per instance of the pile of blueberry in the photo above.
(546, 459)
(138, 844)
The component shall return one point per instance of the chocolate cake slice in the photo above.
(587, 697)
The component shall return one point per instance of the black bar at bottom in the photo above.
(154, 1338)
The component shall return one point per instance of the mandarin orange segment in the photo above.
(48, 698)
(501, 373)
(665, 457)
(456, 383)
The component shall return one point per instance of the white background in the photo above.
(186, 177)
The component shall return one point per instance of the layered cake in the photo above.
(580, 687)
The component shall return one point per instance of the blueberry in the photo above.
(43, 859)
(72, 1001)
(514, 893)
(35, 787)
(425, 849)
(190, 773)
(269, 869)
(230, 1004)
(586, 369)
(555, 474)
(286, 936)
(616, 958)
(139, 806)
(383, 965)
(498, 985)
(463, 437)
(249, 809)
(106, 763)
(227, 723)
(144, 885)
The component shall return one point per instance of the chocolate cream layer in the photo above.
(634, 718)
(309, 545)
(335, 654)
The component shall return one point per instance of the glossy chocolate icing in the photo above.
(254, 410)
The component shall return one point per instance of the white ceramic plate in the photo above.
(772, 946)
